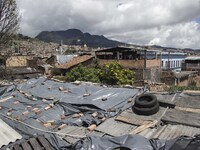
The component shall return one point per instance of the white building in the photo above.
(172, 60)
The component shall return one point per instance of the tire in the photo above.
(146, 111)
(146, 101)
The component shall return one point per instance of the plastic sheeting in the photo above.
(79, 95)
(67, 99)
(136, 142)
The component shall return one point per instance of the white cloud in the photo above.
(165, 22)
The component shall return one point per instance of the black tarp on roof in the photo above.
(65, 99)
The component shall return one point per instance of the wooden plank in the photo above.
(188, 109)
(182, 117)
(128, 116)
(131, 121)
(45, 143)
(35, 144)
(25, 146)
(17, 147)
(144, 127)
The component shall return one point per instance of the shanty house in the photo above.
(21, 67)
(85, 60)
(59, 59)
(192, 63)
(134, 58)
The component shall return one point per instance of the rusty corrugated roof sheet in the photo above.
(75, 61)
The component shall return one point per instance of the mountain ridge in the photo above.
(77, 37)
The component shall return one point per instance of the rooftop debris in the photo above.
(32, 108)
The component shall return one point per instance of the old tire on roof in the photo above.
(145, 101)
(146, 111)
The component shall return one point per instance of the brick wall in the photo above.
(133, 63)
(16, 61)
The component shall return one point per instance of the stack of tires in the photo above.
(146, 104)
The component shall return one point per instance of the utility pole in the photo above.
(168, 60)
(61, 48)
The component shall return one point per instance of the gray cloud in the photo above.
(164, 22)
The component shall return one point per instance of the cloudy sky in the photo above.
(174, 23)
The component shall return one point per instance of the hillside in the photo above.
(77, 37)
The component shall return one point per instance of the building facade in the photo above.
(192, 63)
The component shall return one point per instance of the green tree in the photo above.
(82, 73)
(113, 73)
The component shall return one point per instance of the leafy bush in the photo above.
(82, 73)
(113, 73)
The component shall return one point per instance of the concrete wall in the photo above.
(149, 74)
(16, 61)
(132, 64)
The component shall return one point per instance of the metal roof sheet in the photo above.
(192, 58)
(61, 59)
(80, 131)
(149, 133)
(115, 128)
(131, 118)
(173, 131)
(7, 134)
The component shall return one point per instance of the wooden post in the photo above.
(168, 60)
(145, 59)
(117, 55)
(145, 64)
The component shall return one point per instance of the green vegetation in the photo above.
(112, 74)
(82, 73)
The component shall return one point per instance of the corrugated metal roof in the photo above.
(149, 133)
(7, 134)
(173, 131)
(115, 128)
(192, 58)
(75, 61)
(184, 73)
(182, 117)
(62, 59)
(35, 143)
(131, 118)
(80, 131)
